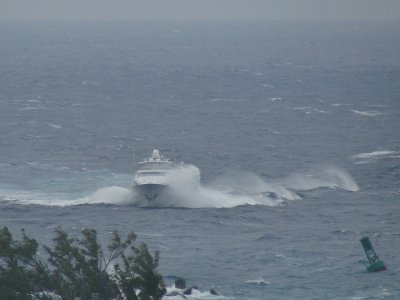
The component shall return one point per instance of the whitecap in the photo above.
(374, 154)
(327, 177)
(340, 104)
(310, 109)
(54, 125)
(186, 190)
(260, 281)
(33, 107)
(224, 100)
(320, 111)
(196, 294)
(115, 195)
(303, 108)
(371, 113)
(268, 85)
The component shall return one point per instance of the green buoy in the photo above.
(375, 265)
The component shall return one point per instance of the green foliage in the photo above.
(138, 272)
(149, 280)
(77, 269)
(21, 273)
(124, 277)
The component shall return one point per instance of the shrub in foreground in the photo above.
(77, 269)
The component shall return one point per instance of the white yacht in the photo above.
(151, 178)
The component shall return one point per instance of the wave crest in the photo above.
(185, 190)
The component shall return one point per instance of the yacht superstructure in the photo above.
(151, 178)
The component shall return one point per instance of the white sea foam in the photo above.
(374, 154)
(108, 195)
(224, 100)
(340, 104)
(54, 125)
(331, 177)
(186, 190)
(112, 195)
(370, 113)
(196, 295)
(268, 85)
(260, 281)
(246, 188)
(310, 109)
(303, 108)
(320, 111)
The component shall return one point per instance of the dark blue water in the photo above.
(290, 129)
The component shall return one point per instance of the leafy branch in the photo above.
(78, 268)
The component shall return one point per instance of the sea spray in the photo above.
(186, 190)
(112, 195)
(252, 184)
(326, 177)
(115, 195)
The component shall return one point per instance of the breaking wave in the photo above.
(329, 177)
(375, 154)
(108, 195)
(246, 188)
(185, 190)
(371, 113)
(174, 293)
(259, 281)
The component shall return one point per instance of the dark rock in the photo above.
(213, 292)
(188, 291)
(180, 283)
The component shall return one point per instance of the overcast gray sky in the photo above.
(199, 9)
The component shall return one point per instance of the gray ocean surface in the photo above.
(290, 132)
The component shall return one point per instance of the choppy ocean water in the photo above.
(290, 133)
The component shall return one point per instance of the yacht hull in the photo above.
(150, 191)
